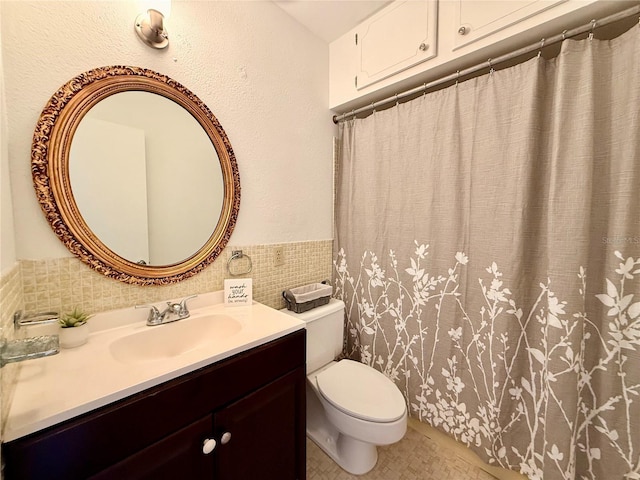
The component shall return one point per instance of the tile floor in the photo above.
(415, 457)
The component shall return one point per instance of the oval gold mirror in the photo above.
(135, 175)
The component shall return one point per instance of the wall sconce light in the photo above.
(150, 25)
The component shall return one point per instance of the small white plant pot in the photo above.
(72, 337)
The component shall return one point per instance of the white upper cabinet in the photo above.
(396, 38)
(476, 19)
(396, 49)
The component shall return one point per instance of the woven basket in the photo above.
(302, 299)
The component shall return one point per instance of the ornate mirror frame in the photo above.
(50, 170)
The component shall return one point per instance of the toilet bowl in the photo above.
(364, 408)
(351, 407)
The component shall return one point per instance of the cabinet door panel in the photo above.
(264, 430)
(478, 19)
(179, 455)
(396, 39)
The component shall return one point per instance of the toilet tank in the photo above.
(325, 331)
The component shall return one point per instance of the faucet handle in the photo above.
(183, 305)
(154, 317)
(152, 307)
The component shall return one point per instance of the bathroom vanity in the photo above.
(239, 417)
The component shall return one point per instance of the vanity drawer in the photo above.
(86, 445)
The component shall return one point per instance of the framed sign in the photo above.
(238, 292)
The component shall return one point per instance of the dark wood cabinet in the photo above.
(252, 405)
(262, 433)
(177, 456)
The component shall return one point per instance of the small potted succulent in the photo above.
(74, 330)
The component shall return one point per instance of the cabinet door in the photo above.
(262, 436)
(179, 455)
(398, 37)
(476, 19)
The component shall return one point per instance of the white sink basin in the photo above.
(173, 339)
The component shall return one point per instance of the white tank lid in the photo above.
(361, 391)
(318, 312)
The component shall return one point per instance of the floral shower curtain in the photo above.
(488, 252)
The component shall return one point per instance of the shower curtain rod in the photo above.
(589, 27)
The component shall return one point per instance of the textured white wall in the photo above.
(7, 242)
(263, 75)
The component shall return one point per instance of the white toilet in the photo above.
(351, 407)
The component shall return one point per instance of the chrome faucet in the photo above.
(172, 313)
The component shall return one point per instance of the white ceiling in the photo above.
(329, 19)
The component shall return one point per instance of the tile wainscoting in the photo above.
(64, 283)
(11, 300)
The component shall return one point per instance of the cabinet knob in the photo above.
(226, 437)
(208, 446)
(463, 30)
(424, 47)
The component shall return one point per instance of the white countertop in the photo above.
(54, 389)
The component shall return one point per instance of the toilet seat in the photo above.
(361, 391)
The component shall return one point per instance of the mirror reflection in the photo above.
(135, 175)
(146, 178)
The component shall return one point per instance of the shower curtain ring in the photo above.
(424, 89)
(373, 107)
(541, 47)
(457, 77)
(593, 27)
(564, 35)
(491, 70)
(396, 99)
